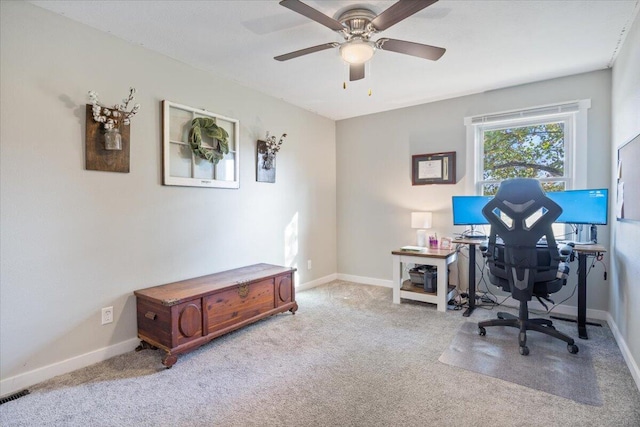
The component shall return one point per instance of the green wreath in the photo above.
(208, 126)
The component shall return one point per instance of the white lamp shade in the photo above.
(421, 220)
(356, 51)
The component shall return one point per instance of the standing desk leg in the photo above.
(397, 278)
(582, 296)
(472, 281)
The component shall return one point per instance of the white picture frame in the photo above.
(181, 167)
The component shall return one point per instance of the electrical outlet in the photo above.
(107, 315)
(308, 264)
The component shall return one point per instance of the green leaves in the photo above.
(208, 126)
(528, 152)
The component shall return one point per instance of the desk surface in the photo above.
(467, 241)
(426, 253)
(589, 249)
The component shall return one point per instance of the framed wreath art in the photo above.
(200, 148)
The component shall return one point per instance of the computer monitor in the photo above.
(467, 210)
(582, 206)
(589, 206)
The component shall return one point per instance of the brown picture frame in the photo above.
(434, 168)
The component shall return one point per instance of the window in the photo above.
(532, 150)
(543, 143)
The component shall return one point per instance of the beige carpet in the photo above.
(348, 357)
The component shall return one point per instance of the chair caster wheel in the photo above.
(524, 350)
(573, 349)
(482, 331)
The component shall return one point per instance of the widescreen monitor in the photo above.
(578, 207)
(582, 206)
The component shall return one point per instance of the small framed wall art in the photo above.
(435, 168)
(446, 243)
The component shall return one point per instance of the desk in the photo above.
(583, 252)
(440, 258)
(472, 271)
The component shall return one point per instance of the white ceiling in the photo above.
(490, 44)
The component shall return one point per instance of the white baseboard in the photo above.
(366, 280)
(317, 282)
(626, 353)
(20, 382)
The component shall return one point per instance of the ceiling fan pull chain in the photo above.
(345, 72)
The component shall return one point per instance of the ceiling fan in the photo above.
(357, 26)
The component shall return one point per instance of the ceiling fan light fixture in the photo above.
(357, 51)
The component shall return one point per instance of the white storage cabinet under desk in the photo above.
(402, 286)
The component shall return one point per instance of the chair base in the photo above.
(525, 324)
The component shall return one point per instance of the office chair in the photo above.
(520, 215)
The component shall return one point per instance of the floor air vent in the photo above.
(14, 396)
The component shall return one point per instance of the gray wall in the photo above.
(375, 195)
(74, 241)
(624, 288)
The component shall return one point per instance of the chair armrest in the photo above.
(565, 250)
(484, 247)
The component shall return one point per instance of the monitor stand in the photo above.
(586, 236)
(474, 234)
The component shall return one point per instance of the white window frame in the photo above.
(573, 114)
(181, 128)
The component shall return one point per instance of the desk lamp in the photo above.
(421, 221)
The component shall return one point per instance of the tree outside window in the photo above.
(536, 150)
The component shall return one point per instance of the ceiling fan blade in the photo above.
(356, 72)
(399, 11)
(301, 52)
(311, 13)
(410, 48)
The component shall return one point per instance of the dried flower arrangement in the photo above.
(272, 146)
(112, 117)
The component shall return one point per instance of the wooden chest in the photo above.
(178, 317)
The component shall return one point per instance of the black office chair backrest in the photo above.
(520, 214)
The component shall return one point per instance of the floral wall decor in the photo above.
(113, 118)
(266, 157)
(107, 133)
